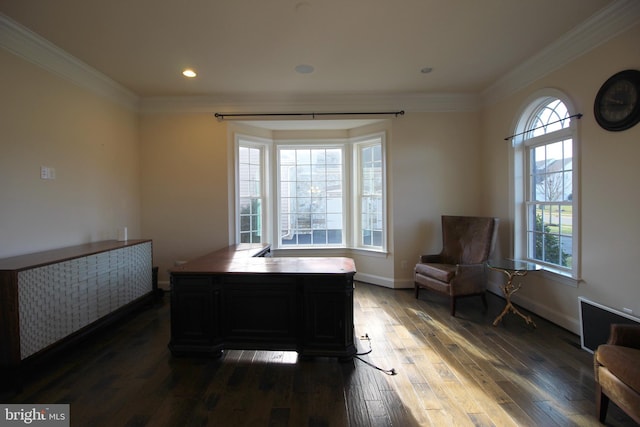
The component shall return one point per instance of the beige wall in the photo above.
(184, 174)
(93, 146)
(434, 171)
(610, 200)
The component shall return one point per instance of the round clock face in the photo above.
(617, 105)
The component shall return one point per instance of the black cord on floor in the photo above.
(365, 337)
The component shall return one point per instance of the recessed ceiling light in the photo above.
(189, 73)
(304, 69)
(426, 70)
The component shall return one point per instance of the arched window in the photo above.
(546, 182)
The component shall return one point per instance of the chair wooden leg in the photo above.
(602, 403)
(484, 301)
(417, 290)
(453, 306)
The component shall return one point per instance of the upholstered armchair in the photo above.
(459, 269)
(617, 371)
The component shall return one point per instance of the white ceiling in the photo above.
(251, 47)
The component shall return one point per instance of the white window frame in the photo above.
(358, 144)
(265, 153)
(311, 144)
(521, 187)
(352, 230)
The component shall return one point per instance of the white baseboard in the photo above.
(563, 320)
(374, 280)
(386, 282)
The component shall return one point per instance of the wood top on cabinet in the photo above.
(38, 259)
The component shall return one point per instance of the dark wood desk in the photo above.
(238, 299)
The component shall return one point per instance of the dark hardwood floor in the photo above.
(454, 371)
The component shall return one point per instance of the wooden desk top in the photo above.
(233, 261)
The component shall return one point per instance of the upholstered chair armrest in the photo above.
(432, 258)
(625, 335)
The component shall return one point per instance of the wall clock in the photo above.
(617, 104)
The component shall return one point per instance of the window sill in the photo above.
(329, 251)
(370, 252)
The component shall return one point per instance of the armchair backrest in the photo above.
(467, 239)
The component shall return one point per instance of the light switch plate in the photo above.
(47, 172)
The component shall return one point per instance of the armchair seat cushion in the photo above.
(617, 371)
(623, 362)
(442, 272)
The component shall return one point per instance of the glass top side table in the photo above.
(512, 268)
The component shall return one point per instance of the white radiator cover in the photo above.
(59, 299)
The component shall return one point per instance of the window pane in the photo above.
(334, 189)
(551, 239)
(334, 156)
(303, 172)
(568, 148)
(334, 221)
(550, 118)
(245, 223)
(287, 157)
(287, 173)
(303, 189)
(319, 237)
(334, 236)
(318, 204)
(311, 197)
(371, 187)
(566, 244)
(250, 176)
(303, 205)
(567, 187)
(318, 157)
(318, 221)
(303, 157)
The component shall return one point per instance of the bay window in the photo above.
(326, 194)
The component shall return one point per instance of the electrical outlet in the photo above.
(47, 172)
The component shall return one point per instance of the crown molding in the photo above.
(278, 103)
(611, 21)
(608, 23)
(33, 48)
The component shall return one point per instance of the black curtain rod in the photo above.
(578, 115)
(221, 116)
